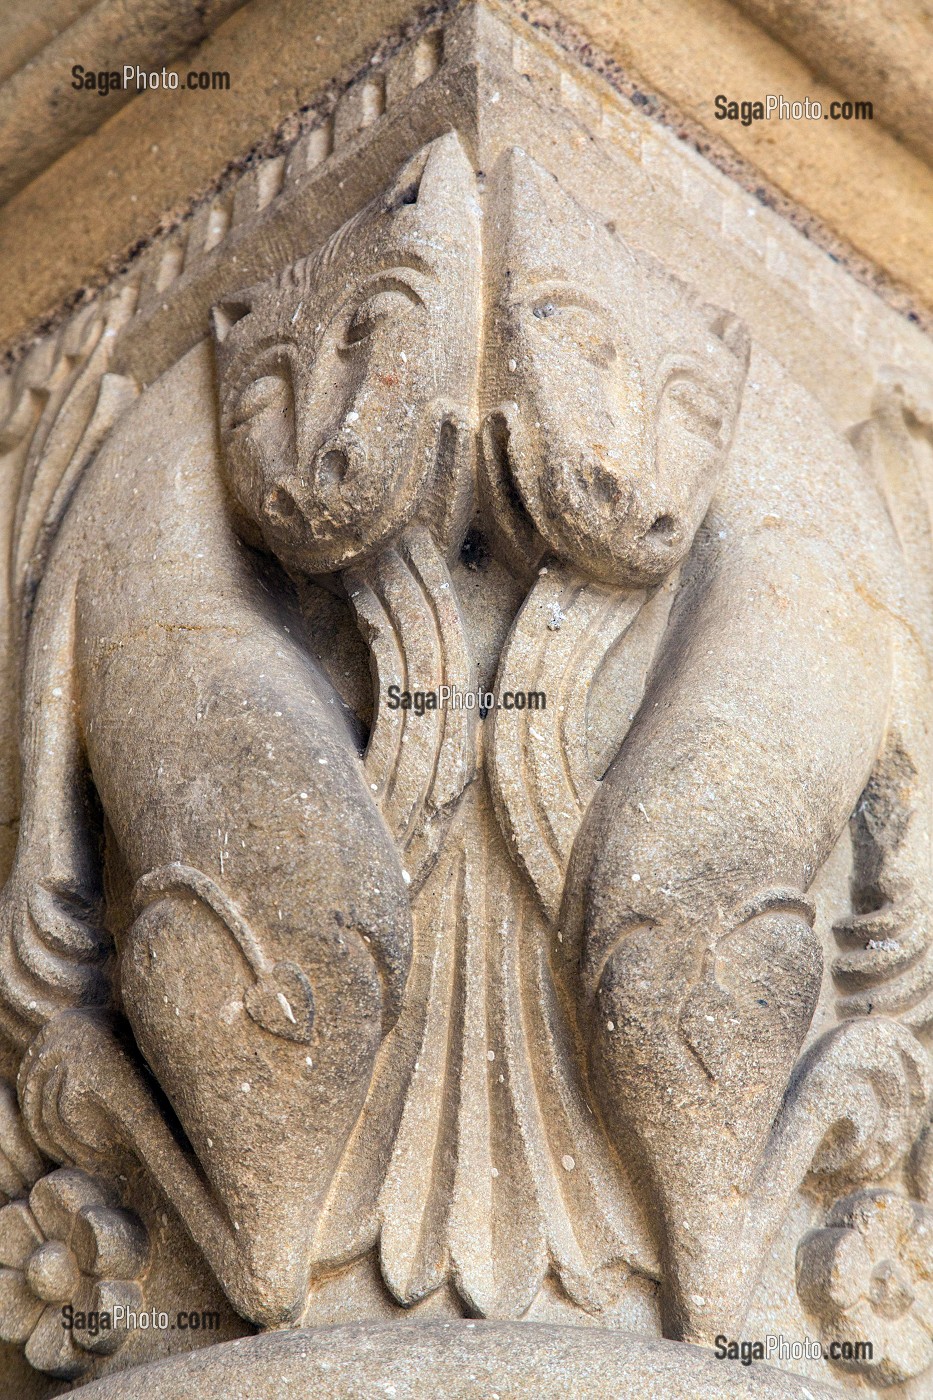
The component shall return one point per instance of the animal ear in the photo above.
(406, 188)
(225, 315)
(730, 330)
(439, 178)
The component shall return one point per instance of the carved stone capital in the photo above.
(472, 621)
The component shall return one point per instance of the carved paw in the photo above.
(87, 1102)
(266, 1077)
(691, 1051)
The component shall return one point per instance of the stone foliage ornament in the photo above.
(539, 1013)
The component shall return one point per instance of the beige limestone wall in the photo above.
(857, 178)
(113, 189)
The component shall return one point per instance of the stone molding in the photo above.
(800, 174)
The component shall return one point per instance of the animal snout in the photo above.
(650, 539)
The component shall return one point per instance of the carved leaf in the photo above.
(544, 766)
(476, 1133)
(418, 767)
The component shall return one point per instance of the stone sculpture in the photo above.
(501, 1011)
(63, 1248)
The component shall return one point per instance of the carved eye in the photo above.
(375, 311)
(268, 394)
(698, 408)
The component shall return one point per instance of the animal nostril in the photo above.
(281, 503)
(604, 487)
(663, 529)
(333, 468)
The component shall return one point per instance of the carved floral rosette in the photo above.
(868, 1276)
(69, 1247)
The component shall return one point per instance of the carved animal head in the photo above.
(342, 380)
(611, 393)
